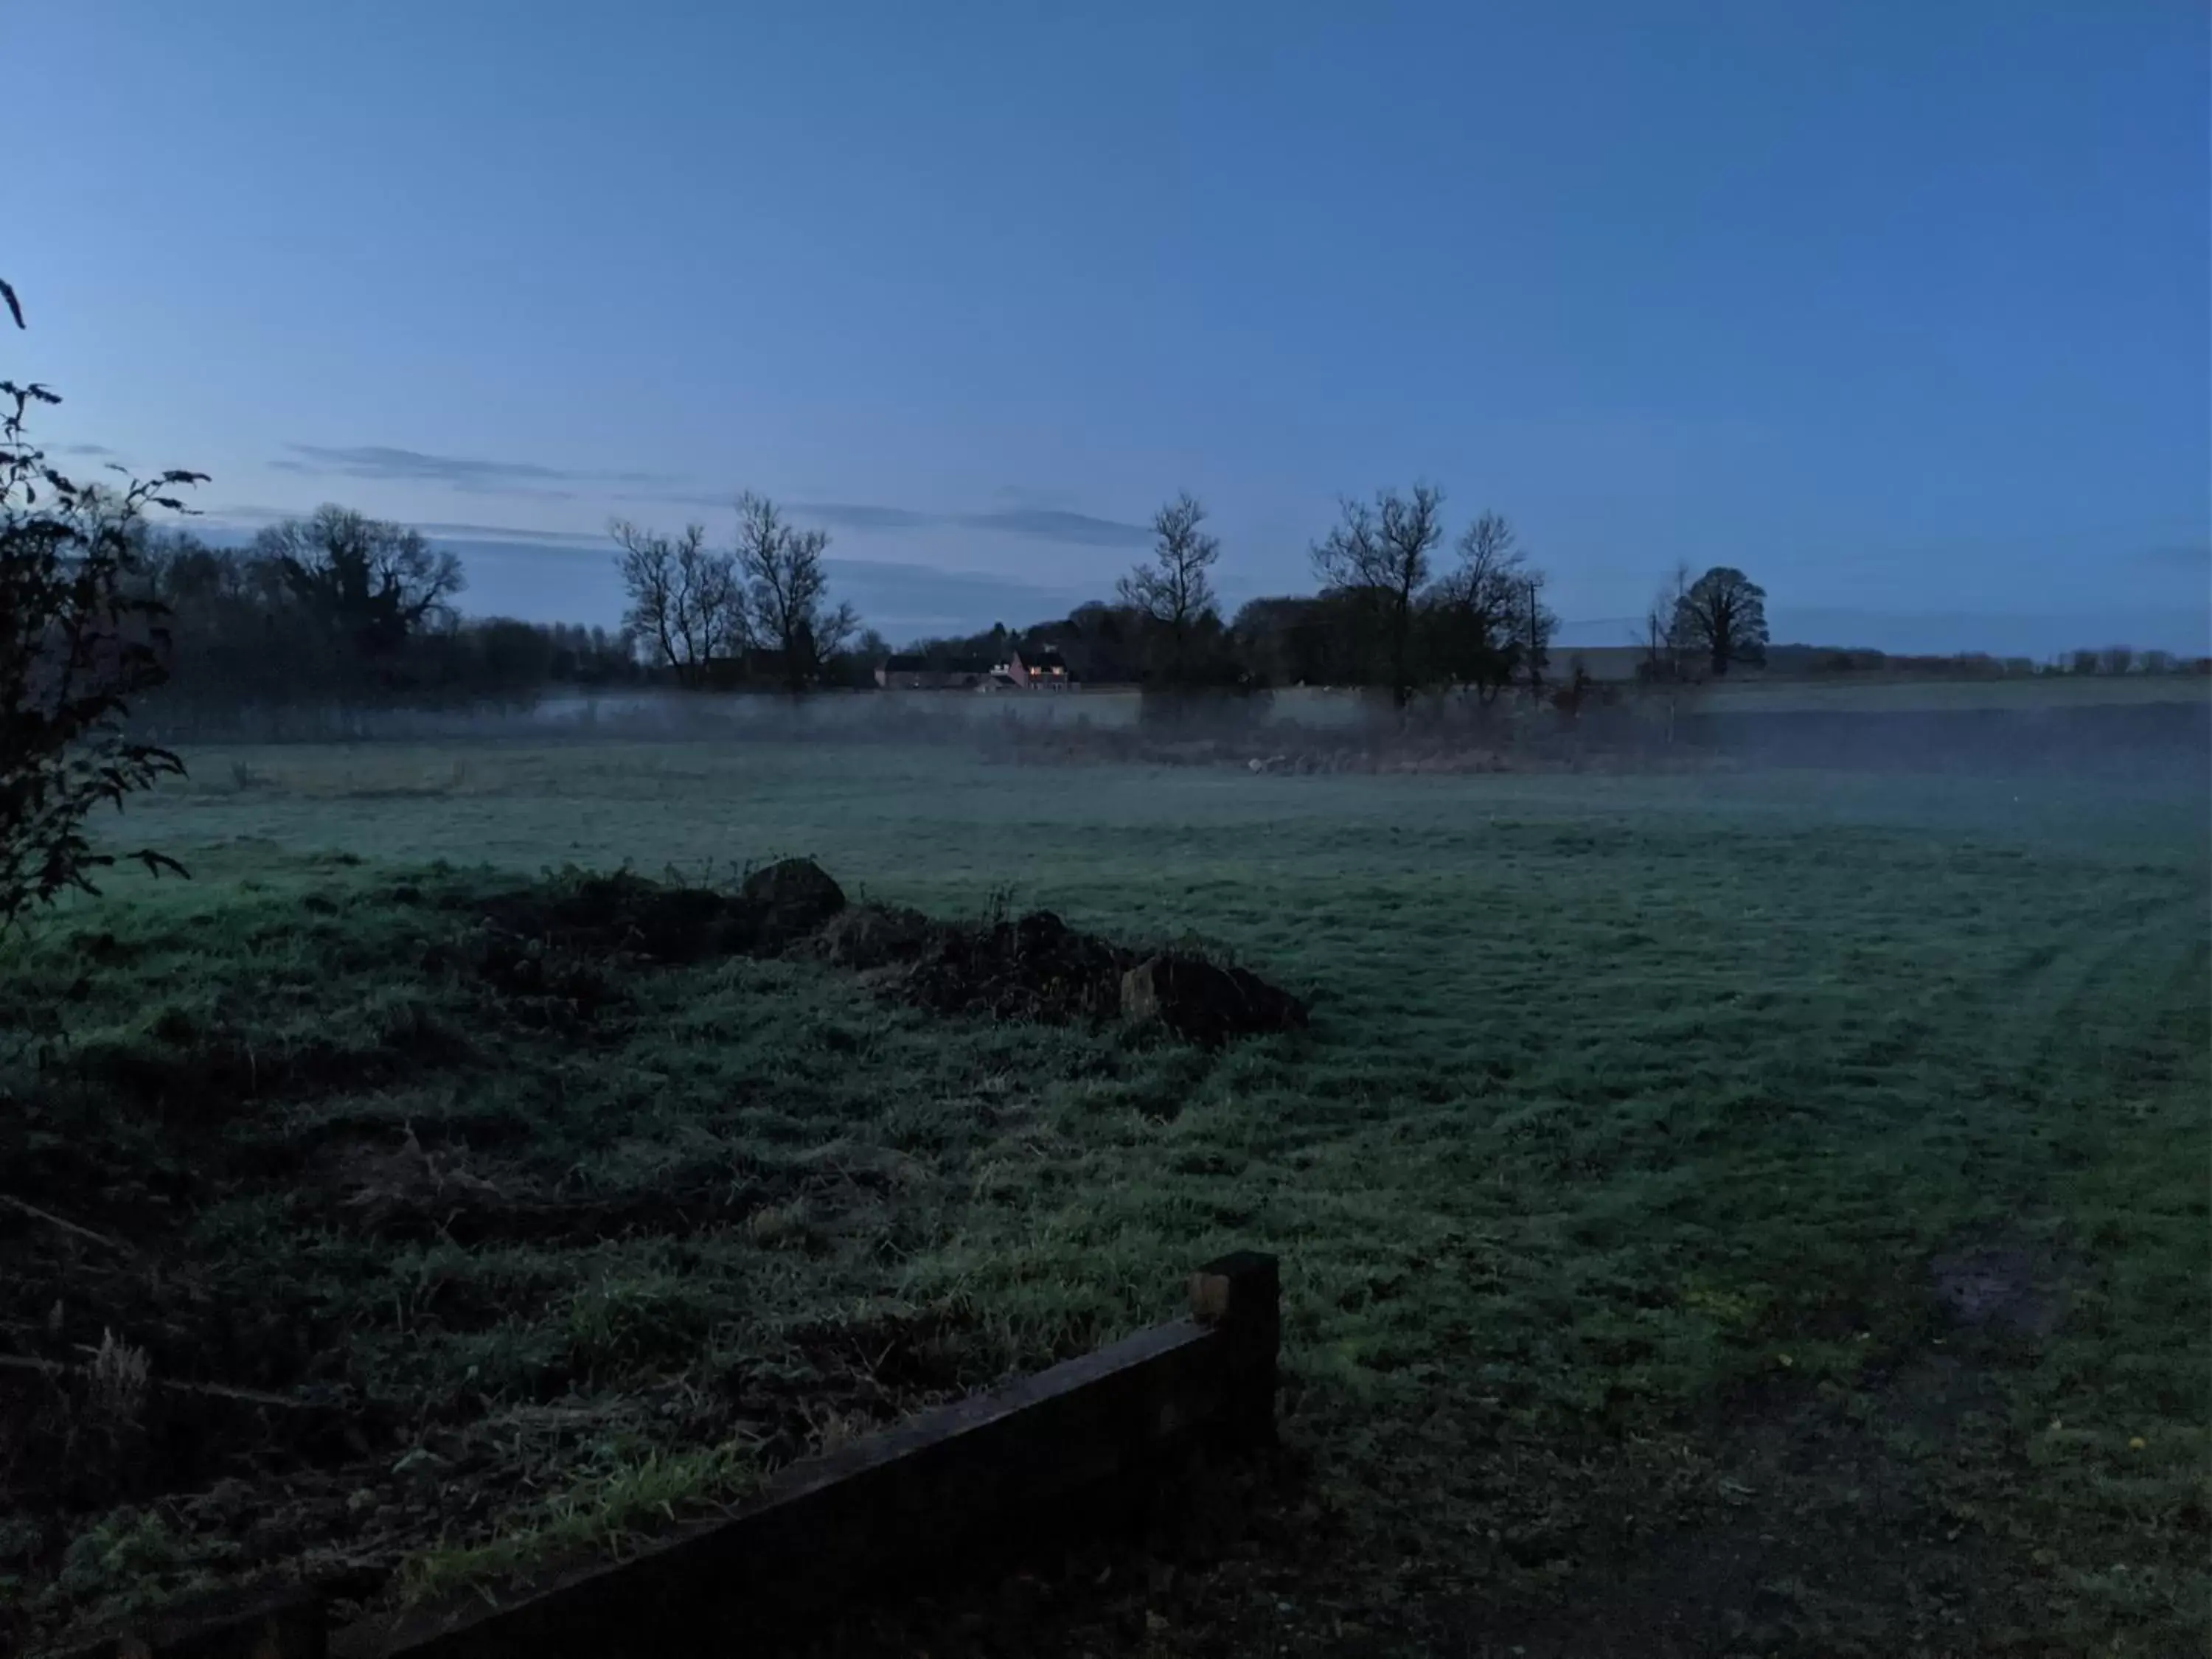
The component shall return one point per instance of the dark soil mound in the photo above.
(550, 946)
(1036, 968)
(624, 918)
(1201, 1002)
(789, 900)
(873, 936)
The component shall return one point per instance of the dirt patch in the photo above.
(1035, 967)
(557, 950)
(2008, 1287)
(1833, 1518)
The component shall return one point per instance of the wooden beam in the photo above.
(831, 1526)
(831, 1529)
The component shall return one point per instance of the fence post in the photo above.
(1239, 1296)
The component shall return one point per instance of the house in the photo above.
(1042, 669)
(910, 671)
(1020, 671)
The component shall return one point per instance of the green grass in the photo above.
(1613, 1184)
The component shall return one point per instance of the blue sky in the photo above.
(1901, 308)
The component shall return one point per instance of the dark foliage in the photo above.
(337, 616)
(79, 639)
(1721, 619)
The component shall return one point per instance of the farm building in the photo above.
(1034, 670)
(1041, 670)
(909, 671)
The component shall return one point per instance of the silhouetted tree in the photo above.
(1174, 592)
(368, 585)
(1477, 613)
(787, 592)
(79, 639)
(1300, 640)
(1723, 617)
(687, 604)
(1379, 553)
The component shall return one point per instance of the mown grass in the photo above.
(1620, 1185)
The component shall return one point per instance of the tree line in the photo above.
(1394, 611)
(336, 610)
(756, 612)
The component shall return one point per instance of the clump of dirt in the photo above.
(558, 946)
(1204, 1002)
(556, 951)
(1035, 967)
(788, 901)
(870, 937)
(623, 918)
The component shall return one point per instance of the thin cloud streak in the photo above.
(386, 463)
(1037, 524)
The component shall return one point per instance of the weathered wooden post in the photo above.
(1239, 1298)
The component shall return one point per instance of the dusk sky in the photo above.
(1901, 308)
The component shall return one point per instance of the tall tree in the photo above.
(1723, 617)
(79, 639)
(1174, 592)
(1480, 607)
(1379, 553)
(787, 592)
(370, 584)
(687, 603)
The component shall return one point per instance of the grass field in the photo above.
(1760, 1214)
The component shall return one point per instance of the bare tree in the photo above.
(79, 639)
(1724, 617)
(1661, 637)
(371, 583)
(1174, 592)
(1483, 609)
(686, 602)
(1379, 553)
(786, 592)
